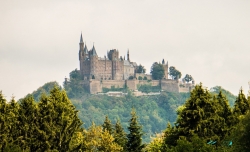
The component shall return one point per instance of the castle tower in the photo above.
(93, 62)
(128, 56)
(165, 66)
(81, 45)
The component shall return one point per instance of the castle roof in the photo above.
(81, 41)
(85, 49)
(94, 51)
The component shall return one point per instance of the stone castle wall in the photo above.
(96, 86)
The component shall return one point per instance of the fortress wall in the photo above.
(85, 84)
(95, 86)
(132, 84)
(149, 77)
(155, 82)
(184, 89)
(116, 83)
(170, 85)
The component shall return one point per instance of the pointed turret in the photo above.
(85, 49)
(94, 51)
(81, 40)
(128, 55)
(163, 61)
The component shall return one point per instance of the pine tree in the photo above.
(4, 129)
(65, 121)
(120, 135)
(107, 125)
(28, 124)
(200, 115)
(135, 134)
(242, 105)
(226, 113)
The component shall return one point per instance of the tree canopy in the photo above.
(174, 73)
(157, 71)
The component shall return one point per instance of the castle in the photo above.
(116, 71)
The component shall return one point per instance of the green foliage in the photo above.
(216, 90)
(48, 125)
(73, 87)
(188, 78)
(157, 71)
(195, 144)
(241, 134)
(94, 139)
(135, 134)
(174, 73)
(120, 135)
(44, 89)
(139, 78)
(140, 69)
(131, 78)
(242, 105)
(145, 78)
(107, 125)
(210, 118)
(148, 88)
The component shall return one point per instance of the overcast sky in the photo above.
(39, 40)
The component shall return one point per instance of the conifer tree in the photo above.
(4, 129)
(65, 121)
(242, 105)
(28, 124)
(107, 125)
(120, 135)
(200, 115)
(135, 134)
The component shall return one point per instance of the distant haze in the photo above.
(208, 39)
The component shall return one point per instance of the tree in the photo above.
(97, 140)
(131, 77)
(174, 73)
(74, 88)
(242, 105)
(140, 69)
(120, 135)
(135, 134)
(157, 71)
(201, 115)
(107, 125)
(139, 78)
(188, 78)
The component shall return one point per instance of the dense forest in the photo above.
(67, 118)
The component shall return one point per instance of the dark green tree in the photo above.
(120, 135)
(107, 125)
(28, 124)
(200, 116)
(188, 78)
(135, 134)
(241, 134)
(157, 71)
(73, 87)
(140, 69)
(174, 73)
(242, 105)
(64, 118)
(139, 78)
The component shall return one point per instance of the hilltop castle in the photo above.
(116, 71)
(110, 67)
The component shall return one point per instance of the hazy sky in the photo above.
(208, 39)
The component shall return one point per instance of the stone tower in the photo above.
(165, 66)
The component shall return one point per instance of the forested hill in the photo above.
(154, 112)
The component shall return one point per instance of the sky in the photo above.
(39, 40)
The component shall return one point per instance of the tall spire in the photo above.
(81, 41)
(128, 55)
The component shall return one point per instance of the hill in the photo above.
(154, 112)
